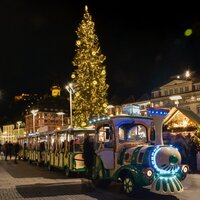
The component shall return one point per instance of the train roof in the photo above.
(131, 117)
(122, 118)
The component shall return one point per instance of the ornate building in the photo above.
(181, 91)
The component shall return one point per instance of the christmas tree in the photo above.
(89, 77)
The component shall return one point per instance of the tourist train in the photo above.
(127, 149)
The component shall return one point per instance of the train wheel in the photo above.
(128, 185)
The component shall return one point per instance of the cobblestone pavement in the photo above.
(25, 181)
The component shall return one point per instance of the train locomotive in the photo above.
(158, 166)
(125, 152)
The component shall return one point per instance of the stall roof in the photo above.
(188, 113)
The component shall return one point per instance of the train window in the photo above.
(140, 157)
(132, 133)
(105, 136)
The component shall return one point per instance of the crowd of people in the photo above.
(9, 150)
(187, 148)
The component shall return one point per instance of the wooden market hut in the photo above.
(181, 121)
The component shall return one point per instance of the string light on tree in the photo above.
(90, 74)
(73, 75)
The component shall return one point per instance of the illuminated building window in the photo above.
(181, 90)
(186, 88)
(157, 105)
(166, 92)
(197, 87)
(176, 90)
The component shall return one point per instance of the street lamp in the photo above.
(61, 113)
(187, 74)
(70, 89)
(34, 112)
(18, 125)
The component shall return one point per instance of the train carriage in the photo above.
(23, 151)
(66, 149)
(36, 148)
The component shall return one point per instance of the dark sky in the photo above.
(144, 43)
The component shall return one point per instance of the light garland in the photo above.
(157, 112)
(98, 119)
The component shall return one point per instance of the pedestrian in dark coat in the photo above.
(16, 151)
(88, 154)
(10, 149)
(193, 156)
(6, 150)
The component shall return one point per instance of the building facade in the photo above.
(184, 93)
(45, 120)
(181, 91)
(10, 133)
(49, 114)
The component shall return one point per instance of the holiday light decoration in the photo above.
(89, 77)
(170, 168)
(157, 112)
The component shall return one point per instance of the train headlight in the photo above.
(148, 172)
(185, 169)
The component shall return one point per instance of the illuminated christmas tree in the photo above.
(89, 77)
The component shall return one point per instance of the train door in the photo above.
(105, 145)
(61, 148)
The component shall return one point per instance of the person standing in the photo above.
(192, 155)
(88, 154)
(6, 150)
(16, 151)
(10, 149)
(1, 151)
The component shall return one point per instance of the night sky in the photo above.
(144, 44)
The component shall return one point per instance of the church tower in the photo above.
(55, 91)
